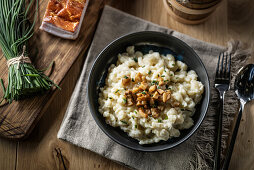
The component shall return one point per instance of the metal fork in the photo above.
(222, 81)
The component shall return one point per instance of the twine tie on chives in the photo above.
(20, 59)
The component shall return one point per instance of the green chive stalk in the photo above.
(15, 30)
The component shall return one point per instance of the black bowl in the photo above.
(144, 41)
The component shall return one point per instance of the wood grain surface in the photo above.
(42, 150)
(18, 118)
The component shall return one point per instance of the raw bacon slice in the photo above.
(64, 18)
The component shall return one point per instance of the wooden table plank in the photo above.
(240, 21)
(38, 151)
(7, 154)
(243, 156)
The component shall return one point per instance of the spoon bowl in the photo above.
(244, 83)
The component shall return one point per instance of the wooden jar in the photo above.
(191, 11)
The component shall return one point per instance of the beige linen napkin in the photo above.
(79, 128)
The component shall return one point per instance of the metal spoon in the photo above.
(244, 89)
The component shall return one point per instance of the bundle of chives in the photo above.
(15, 30)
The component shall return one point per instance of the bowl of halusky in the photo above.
(148, 91)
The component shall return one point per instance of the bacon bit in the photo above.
(176, 104)
(152, 88)
(168, 91)
(128, 92)
(139, 103)
(161, 108)
(143, 102)
(139, 94)
(156, 95)
(161, 81)
(142, 113)
(146, 106)
(160, 91)
(160, 98)
(166, 97)
(147, 96)
(130, 102)
(143, 86)
(135, 90)
(155, 112)
(140, 98)
(143, 97)
(129, 97)
(144, 79)
(138, 77)
(134, 97)
(151, 101)
(126, 81)
(148, 111)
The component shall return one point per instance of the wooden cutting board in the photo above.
(18, 118)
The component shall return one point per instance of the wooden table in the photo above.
(41, 150)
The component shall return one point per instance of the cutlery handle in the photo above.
(216, 165)
(232, 142)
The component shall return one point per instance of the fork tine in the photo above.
(226, 68)
(222, 61)
(229, 66)
(218, 63)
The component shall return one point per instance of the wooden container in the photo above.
(191, 12)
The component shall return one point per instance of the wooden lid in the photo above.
(186, 10)
(203, 5)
